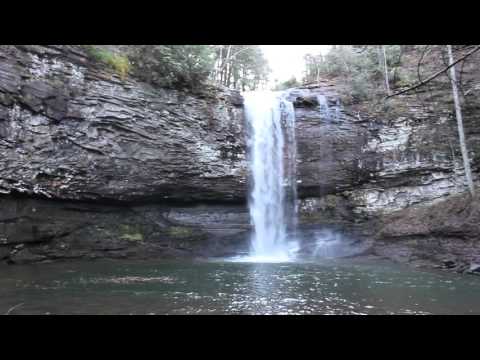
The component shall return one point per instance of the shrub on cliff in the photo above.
(291, 83)
(187, 66)
(179, 66)
(172, 65)
(365, 70)
(117, 62)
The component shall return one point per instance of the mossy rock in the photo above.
(180, 232)
(133, 237)
(6, 99)
(185, 233)
(130, 233)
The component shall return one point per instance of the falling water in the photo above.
(324, 108)
(338, 109)
(272, 153)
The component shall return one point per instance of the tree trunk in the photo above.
(244, 78)
(387, 85)
(218, 63)
(222, 63)
(344, 61)
(458, 112)
(229, 75)
(227, 69)
(235, 78)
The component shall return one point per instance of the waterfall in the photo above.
(324, 108)
(272, 158)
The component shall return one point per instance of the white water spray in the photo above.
(324, 108)
(272, 152)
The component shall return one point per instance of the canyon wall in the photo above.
(73, 130)
(381, 160)
(94, 165)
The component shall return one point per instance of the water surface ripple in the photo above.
(219, 287)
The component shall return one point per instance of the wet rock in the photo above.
(236, 98)
(92, 230)
(449, 264)
(322, 210)
(329, 149)
(309, 101)
(4, 252)
(461, 268)
(25, 256)
(474, 268)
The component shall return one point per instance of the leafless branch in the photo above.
(361, 50)
(231, 57)
(425, 50)
(434, 75)
(13, 308)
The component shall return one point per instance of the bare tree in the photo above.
(438, 73)
(387, 85)
(225, 64)
(458, 112)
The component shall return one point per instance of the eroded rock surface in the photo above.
(382, 160)
(393, 174)
(174, 165)
(39, 230)
(73, 130)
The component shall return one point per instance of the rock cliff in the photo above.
(393, 174)
(73, 130)
(93, 165)
(381, 160)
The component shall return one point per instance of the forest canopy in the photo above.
(240, 67)
(369, 72)
(365, 72)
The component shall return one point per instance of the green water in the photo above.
(217, 287)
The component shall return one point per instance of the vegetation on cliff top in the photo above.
(365, 72)
(361, 68)
(240, 67)
(382, 72)
(373, 72)
(290, 83)
(117, 62)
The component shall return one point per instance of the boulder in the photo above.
(474, 268)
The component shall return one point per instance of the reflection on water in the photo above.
(217, 287)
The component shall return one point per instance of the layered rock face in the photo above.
(380, 161)
(136, 171)
(394, 175)
(70, 130)
(39, 230)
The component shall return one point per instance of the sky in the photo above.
(287, 60)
